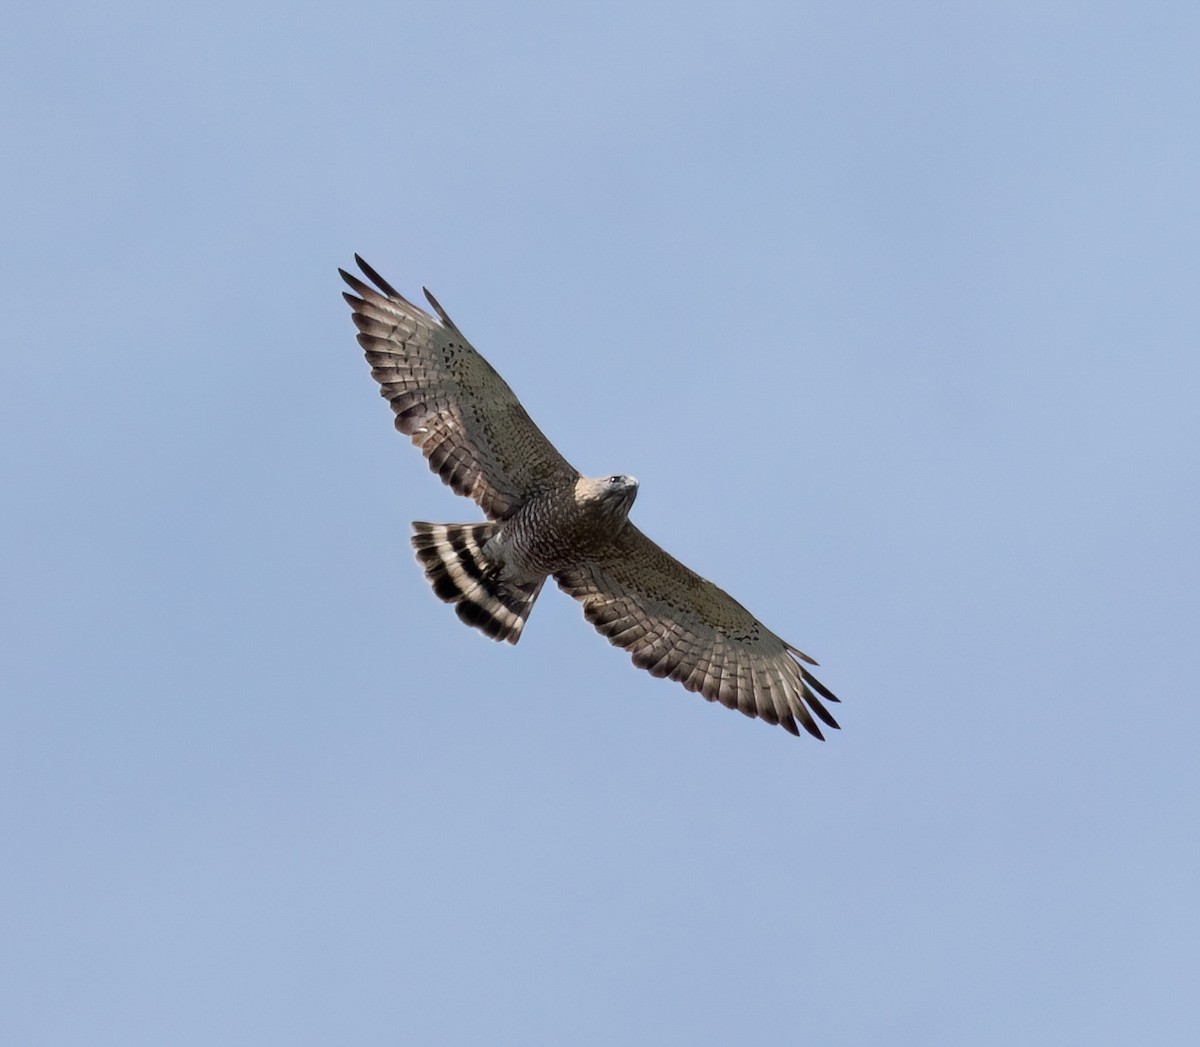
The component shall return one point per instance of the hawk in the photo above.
(545, 519)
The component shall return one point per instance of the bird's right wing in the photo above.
(675, 623)
(450, 400)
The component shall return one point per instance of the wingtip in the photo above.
(437, 308)
(801, 655)
(376, 279)
(811, 727)
(817, 686)
(364, 265)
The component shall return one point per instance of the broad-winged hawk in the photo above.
(546, 520)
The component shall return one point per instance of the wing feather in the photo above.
(675, 623)
(450, 401)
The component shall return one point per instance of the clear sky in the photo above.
(892, 308)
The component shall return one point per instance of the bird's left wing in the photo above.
(450, 400)
(676, 624)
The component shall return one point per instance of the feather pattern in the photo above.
(461, 573)
(449, 399)
(677, 624)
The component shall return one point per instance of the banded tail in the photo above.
(461, 573)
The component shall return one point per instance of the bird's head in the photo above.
(611, 496)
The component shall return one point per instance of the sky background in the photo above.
(893, 311)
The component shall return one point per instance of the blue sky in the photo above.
(893, 311)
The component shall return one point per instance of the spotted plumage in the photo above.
(547, 520)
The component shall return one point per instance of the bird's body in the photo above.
(494, 571)
(556, 528)
(547, 520)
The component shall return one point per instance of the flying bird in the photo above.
(546, 520)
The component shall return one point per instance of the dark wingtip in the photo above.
(377, 280)
(437, 308)
(789, 725)
(801, 655)
(812, 728)
(355, 284)
(822, 713)
(817, 686)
